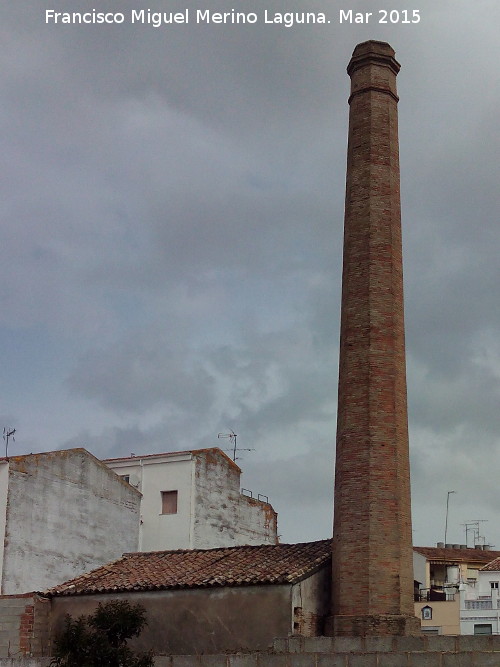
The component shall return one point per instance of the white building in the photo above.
(192, 500)
(448, 586)
(62, 513)
(480, 603)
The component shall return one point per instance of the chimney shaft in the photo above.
(372, 590)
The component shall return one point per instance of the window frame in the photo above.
(169, 502)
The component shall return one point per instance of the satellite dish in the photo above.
(134, 481)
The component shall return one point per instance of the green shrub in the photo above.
(100, 640)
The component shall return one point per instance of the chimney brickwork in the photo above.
(372, 590)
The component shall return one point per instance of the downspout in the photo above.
(192, 506)
(140, 514)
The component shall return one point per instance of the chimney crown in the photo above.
(373, 53)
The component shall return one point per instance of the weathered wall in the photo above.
(4, 488)
(311, 604)
(211, 511)
(420, 569)
(24, 625)
(27, 662)
(345, 652)
(199, 621)
(223, 516)
(67, 513)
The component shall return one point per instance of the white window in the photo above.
(169, 502)
(494, 585)
(483, 629)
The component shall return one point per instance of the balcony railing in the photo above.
(432, 595)
(482, 604)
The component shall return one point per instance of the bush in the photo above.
(100, 640)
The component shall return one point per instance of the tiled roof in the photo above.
(457, 555)
(493, 565)
(202, 568)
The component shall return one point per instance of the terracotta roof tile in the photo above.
(457, 555)
(201, 568)
(493, 565)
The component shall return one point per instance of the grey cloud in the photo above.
(172, 223)
(140, 373)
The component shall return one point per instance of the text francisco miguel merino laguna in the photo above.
(157, 19)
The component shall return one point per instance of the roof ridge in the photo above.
(231, 547)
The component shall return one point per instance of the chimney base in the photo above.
(375, 625)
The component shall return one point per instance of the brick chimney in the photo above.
(372, 590)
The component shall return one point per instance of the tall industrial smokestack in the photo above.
(372, 590)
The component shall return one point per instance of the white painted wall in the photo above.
(4, 487)
(480, 604)
(223, 516)
(211, 510)
(152, 475)
(67, 513)
(420, 570)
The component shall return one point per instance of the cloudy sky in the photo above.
(171, 232)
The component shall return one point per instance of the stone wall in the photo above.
(434, 651)
(422, 651)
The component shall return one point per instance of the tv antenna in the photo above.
(232, 439)
(473, 526)
(8, 433)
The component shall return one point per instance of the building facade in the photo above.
(453, 591)
(480, 604)
(62, 513)
(192, 500)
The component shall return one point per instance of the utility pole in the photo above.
(446, 521)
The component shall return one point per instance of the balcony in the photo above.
(434, 595)
(482, 604)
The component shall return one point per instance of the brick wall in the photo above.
(24, 625)
(372, 590)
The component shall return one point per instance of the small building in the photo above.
(442, 575)
(209, 601)
(62, 513)
(480, 604)
(192, 500)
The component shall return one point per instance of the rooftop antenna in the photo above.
(232, 439)
(473, 526)
(8, 433)
(447, 508)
